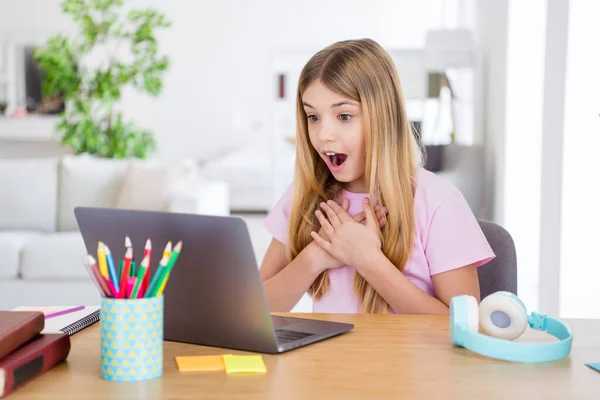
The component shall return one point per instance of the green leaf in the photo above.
(90, 122)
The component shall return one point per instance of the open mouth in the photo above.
(336, 159)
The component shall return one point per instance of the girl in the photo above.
(364, 228)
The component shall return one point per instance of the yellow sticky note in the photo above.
(244, 364)
(200, 363)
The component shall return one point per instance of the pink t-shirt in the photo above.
(447, 236)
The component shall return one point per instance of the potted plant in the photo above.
(3, 106)
(112, 50)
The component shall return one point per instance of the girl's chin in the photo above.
(345, 178)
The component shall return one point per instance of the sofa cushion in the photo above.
(28, 199)
(152, 185)
(87, 181)
(54, 256)
(19, 292)
(11, 245)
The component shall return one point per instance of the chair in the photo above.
(501, 272)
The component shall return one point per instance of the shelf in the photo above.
(30, 128)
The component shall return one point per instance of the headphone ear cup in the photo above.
(502, 315)
(463, 313)
(472, 314)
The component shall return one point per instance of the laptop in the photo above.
(215, 295)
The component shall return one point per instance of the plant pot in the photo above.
(52, 105)
(434, 157)
(2, 109)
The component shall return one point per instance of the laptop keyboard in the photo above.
(285, 336)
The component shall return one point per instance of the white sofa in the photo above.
(41, 249)
(257, 173)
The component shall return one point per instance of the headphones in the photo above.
(502, 317)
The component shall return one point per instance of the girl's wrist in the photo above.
(317, 258)
(369, 261)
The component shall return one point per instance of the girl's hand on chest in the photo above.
(351, 242)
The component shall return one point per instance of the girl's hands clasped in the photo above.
(351, 242)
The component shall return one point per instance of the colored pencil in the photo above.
(112, 288)
(102, 260)
(133, 269)
(101, 279)
(114, 278)
(147, 253)
(143, 271)
(130, 285)
(125, 273)
(167, 271)
(155, 283)
(168, 249)
(63, 312)
(127, 242)
(92, 269)
(128, 245)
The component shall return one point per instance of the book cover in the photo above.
(16, 328)
(32, 359)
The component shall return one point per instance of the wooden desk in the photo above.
(391, 356)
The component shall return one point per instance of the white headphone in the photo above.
(502, 317)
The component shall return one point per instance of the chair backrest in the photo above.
(501, 272)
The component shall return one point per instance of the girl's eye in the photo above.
(345, 117)
(313, 118)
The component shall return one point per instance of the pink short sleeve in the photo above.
(454, 237)
(277, 220)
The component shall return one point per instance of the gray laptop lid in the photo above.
(214, 295)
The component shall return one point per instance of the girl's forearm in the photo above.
(399, 292)
(285, 289)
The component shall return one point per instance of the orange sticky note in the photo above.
(200, 363)
(244, 364)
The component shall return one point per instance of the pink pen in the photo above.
(63, 312)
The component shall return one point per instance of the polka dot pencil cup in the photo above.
(131, 338)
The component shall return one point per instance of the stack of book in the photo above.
(25, 350)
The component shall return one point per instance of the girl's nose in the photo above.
(327, 133)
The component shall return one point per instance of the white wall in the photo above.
(492, 33)
(544, 125)
(218, 91)
(580, 237)
(552, 154)
(523, 138)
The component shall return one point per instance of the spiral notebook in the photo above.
(59, 319)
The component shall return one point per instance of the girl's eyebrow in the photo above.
(341, 103)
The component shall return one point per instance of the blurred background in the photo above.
(505, 95)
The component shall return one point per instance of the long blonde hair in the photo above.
(363, 71)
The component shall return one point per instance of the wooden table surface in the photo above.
(385, 356)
